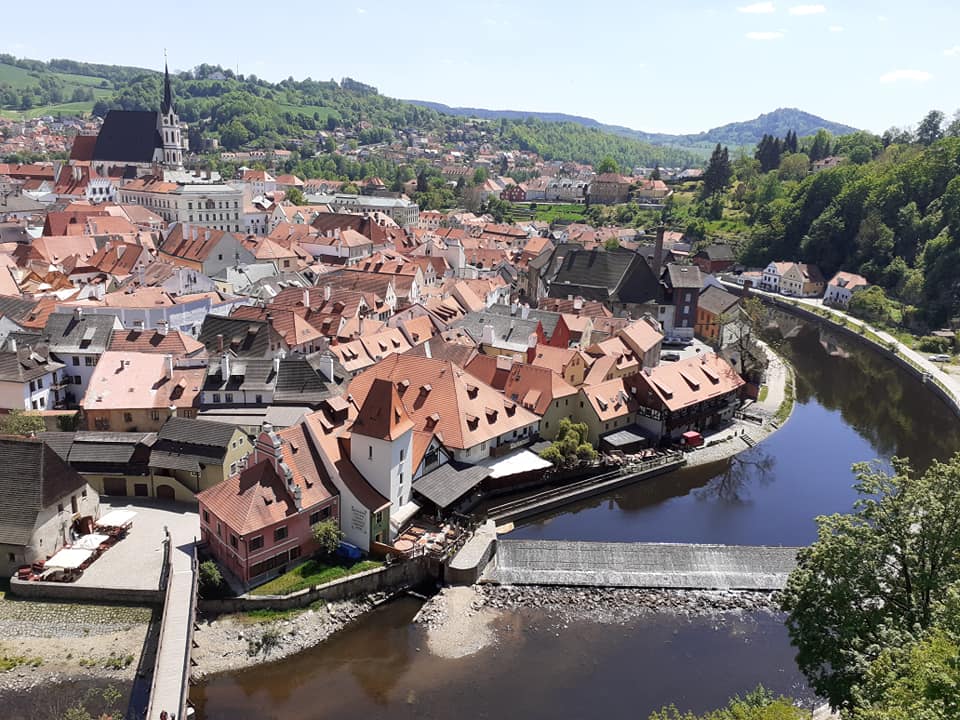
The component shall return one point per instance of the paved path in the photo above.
(775, 381)
(172, 669)
(649, 565)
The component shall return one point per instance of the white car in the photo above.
(940, 358)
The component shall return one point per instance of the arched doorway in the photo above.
(165, 492)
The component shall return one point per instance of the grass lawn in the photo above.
(323, 112)
(310, 573)
(70, 108)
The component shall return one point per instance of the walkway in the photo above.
(646, 565)
(171, 674)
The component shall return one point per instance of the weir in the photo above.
(641, 565)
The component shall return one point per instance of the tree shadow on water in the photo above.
(733, 483)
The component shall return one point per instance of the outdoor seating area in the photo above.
(424, 537)
(68, 564)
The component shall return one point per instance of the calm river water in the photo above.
(852, 405)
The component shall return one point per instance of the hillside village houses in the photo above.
(186, 337)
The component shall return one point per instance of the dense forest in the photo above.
(890, 211)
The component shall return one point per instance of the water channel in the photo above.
(852, 405)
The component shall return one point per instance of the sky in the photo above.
(666, 66)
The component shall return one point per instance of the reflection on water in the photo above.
(541, 668)
(852, 405)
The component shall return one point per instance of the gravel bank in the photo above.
(457, 622)
(231, 642)
(65, 642)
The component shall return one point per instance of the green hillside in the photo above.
(32, 92)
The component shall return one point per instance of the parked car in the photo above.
(938, 358)
(672, 356)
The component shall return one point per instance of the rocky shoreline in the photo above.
(236, 641)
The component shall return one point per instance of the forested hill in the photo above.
(748, 132)
(245, 111)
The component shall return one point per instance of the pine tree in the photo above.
(768, 153)
(717, 176)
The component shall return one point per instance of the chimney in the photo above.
(225, 366)
(326, 293)
(276, 366)
(658, 252)
(326, 366)
(78, 313)
(169, 366)
(578, 303)
(524, 311)
(513, 307)
(298, 497)
(162, 327)
(220, 343)
(486, 337)
(13, 344)
(306, 297)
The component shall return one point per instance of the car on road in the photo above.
(672, 356)
(938, 358)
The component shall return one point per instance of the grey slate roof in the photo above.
(448, 483)
(619, 276)
(128, 136)
(548, 319)
(505, 328)
(33, 478)
(244, 338)
(66, 333)
(249, 373)
(684, 276)
(197, 432)
(92, 451)
(26, 364)
(717, 252)
(299, 381)
(717, 300)
(16, 308)
(14, 232)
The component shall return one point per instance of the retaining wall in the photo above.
(390, 578)
(882, 349)
(76, 593)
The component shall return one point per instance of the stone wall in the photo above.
(390, 578)
(74, 593)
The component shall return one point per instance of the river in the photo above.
(852, 405)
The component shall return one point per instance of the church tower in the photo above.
(170, 127)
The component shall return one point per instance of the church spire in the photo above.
(167, 105)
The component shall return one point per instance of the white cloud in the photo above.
(757, 8)
(361, 11)
(807, 9)
(950, 52)
(910, 75)
(836, 28)
(765, 35)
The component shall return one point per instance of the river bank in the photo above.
(235, 641)
(63, 644)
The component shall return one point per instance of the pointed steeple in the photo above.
(167, 105)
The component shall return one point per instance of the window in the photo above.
(379, 518)
(59, 507)
(154, 414)
(127, 417)
(370, 452)
(229, 397)
(233, 468)
(320, 515)
(33, 386)
(256, 543)
(39, 383)
(280, 534)
(89, 361)
(74, 507)
(76, 360)
(219, 530)
(216, 397)
(402, 452)
(259, 399)
(11, 557)
(206, 517)
(233, 541)
(295, 552)
(83, 493)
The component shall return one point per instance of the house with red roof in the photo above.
(259, 521)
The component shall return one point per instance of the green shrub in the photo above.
(934, 344)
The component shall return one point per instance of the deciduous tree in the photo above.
(874, 577)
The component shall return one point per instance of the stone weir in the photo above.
(641, 565)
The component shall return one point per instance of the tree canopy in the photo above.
(875, 577)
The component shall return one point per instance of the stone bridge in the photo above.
(644, 565)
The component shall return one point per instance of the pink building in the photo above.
(259, 522)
